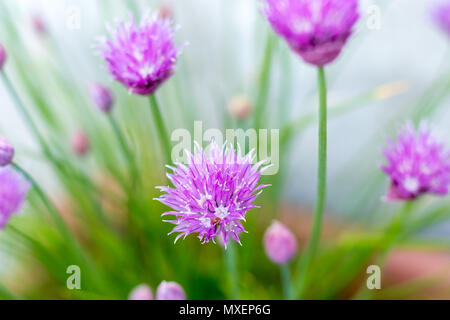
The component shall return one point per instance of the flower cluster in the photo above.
(316, 30)
(417, 164)
(212, 194)
(13, 191)
(441, 15)
(141, 56)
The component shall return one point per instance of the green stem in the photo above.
(321, 184)
(231, 264)
(287, 282)
(162, 131)
(125, 148)
(264, 82)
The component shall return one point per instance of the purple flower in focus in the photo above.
(315, 29)
(141, 56)
(441, 15)
(3, 56)
(416, 164)
(13, 191)
(280, 243)
(170, 291)
(141, 292)
(101, 96)
(212, 194)
(6, 152)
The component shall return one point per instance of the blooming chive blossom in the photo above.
(212, 193)
(416, 164)
(101, 97)
(170, 291)
(316, 30)
(441, 15)
(141, 292)
(13, 191)
(142, 56)
(3, 56)
(280, 244)
(6, 152)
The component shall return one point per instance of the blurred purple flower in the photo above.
(141, 292)
(6, 152)
(13, 191)
(142, 56)
(80, 143)
(417, 164)
(441, 15)
(213, 193)
(101, 97)
(316, 30)
(170, 291)
(39, 24)
(3, 56)
(280, 243)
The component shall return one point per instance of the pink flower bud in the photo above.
(80, 143)
(6, 152)
(39, 24)
(3, 56)
(239, 107)
(141, 292)
(280, 244)
(101, 97)
(165, 12)
(170, 291)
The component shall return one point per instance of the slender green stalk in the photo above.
(231, 265)
(287, 282)
(264, 83)
(23, 111)
(321, 184)
(162, 131)
(125, 148)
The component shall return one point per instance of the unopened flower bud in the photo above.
(101, 97)
(6, 152)
(3, 56)
(165, 12)
(280, 244)
(170, 291)
(141, 292)
(239, 108)
(39, 24)
(80, 143)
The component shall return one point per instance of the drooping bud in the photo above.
(80, 143)
(3, 56)
(6, 152)
(170, 291)
(280, 243)
(141, 292)
(101, 97)
(239, 107)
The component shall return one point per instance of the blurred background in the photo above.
(394, 68)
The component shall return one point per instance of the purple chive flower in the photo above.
(315, 29)
(3, 56)
(141, 292)
(416, 164)
(212, 193)
(13, 191)
(6, 152)
(441, 15)
(280, 243)
(101, 97)
(142, 56)
(170, 291)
